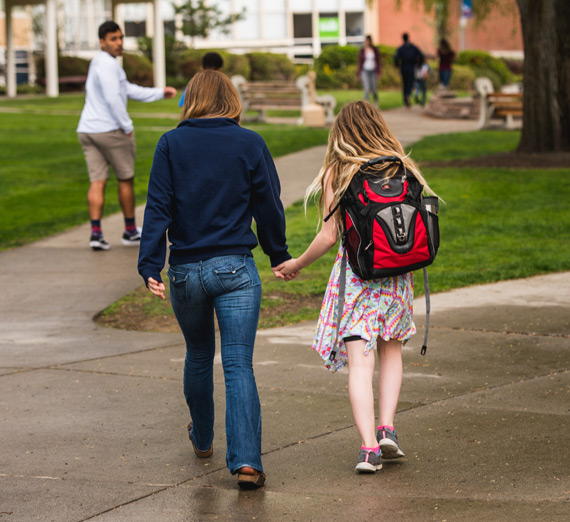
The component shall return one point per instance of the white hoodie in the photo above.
(106, 93)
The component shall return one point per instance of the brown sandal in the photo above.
(249, 478)
(200, 454)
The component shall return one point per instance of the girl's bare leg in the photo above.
(361, 392)
(389, 380)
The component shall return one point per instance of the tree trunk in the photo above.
(546, 98)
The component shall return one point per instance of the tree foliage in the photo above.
(200, 18)
(446, 10)
(546, 81)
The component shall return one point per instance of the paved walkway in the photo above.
(93, 419)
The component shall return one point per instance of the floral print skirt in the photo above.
(372, 308)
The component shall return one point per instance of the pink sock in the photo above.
(389, 427)
(375, 450)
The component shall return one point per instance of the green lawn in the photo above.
(43, 172)
(496, 224)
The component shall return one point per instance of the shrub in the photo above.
(270, 67)
(387, 53)
(462, 78)
(514, 65)
(67, 66)
(483, 64)
(172, 52)
(336, 67)
(139, 69)
(390, 77)
(178, 82)
(24, 88)
(191, 63)
(301, 69)
(338, 57)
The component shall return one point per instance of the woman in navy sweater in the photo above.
(209, 179)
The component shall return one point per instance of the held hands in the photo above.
(155, 287)
(287, 270)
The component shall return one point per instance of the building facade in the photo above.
(297, 28)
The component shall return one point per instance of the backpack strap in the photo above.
(371, 163)
(383, 159)
(340, 304)
(426, 285)
(333, 211)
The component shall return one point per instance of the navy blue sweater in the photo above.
(209, 178)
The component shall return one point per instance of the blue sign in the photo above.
(467, 9)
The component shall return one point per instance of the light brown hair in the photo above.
(211, 94)
(358, 134)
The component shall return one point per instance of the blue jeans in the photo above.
(370, 84)
(230, 285)
(445, 77)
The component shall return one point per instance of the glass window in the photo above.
(137, 28)
(302, 26)
(354, 24)
(248, 29)
(275, 25)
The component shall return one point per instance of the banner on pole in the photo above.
(467, 9)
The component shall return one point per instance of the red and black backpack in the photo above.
(390, 228)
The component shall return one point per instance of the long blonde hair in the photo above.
(358, 134)
(211, 94)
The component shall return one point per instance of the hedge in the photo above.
(270, 67)
(67, 66)
(139, 69)
(483, 64)
(191, 62)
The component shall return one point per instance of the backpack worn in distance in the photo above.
(390, 229)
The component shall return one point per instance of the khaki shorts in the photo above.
(108, 148)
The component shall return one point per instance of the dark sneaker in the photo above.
(389, 445)
(98, 243)
(200, 454)
(133, 239)
(368, 461)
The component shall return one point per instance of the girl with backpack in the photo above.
(376, 312)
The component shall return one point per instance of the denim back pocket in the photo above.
(178, 284)
(233, 275)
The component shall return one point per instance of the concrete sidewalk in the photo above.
(93, 419)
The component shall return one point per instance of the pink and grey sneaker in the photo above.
(368, 461)
(389, 445)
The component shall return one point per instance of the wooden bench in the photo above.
(264, 96)
(69, 81)
(279, 95)
(503, 105)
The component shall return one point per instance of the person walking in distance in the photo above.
(376, 312)
(209, 178)
(369, 69)
(446, 56)
(406, 57)
(210, 62)
(106, 133)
